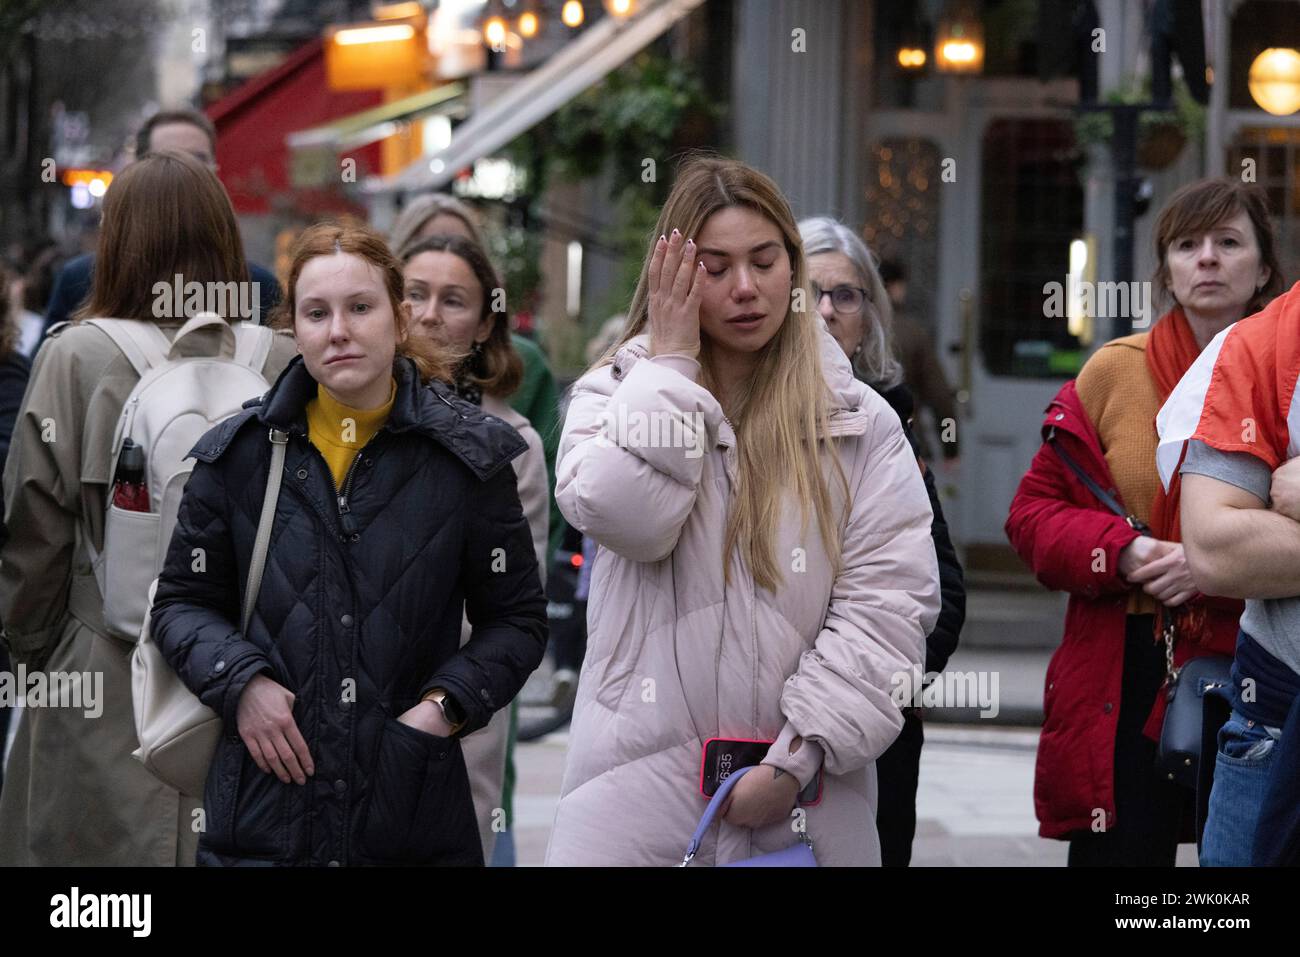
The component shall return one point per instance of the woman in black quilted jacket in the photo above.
(345, 700)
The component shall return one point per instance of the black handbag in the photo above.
(1192, 690)
(1196, 692)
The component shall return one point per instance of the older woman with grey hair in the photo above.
(851, 298)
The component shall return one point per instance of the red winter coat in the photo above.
(1056, 525)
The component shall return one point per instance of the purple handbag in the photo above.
(799, 854)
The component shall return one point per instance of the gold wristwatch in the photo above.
(448, 708)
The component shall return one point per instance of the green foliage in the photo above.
(637, 214)
(649, 109)
(518, 254)
(635, 114)
(1095, 128)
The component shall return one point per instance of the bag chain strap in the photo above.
(1171, 673)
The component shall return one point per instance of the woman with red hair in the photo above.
(346, 699)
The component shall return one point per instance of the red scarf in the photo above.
(1210, 623)
(1171, 350)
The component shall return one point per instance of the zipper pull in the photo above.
(345, 516)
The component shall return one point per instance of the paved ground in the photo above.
(974, 805)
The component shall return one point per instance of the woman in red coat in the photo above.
(1096, 784)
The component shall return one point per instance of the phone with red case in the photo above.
(721, 757)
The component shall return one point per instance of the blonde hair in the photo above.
(783, 412)
(423, 209)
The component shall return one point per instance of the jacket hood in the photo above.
(482, 441)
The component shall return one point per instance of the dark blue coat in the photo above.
(359, 615)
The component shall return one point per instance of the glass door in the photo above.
(982, 200)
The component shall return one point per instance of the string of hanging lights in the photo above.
(504, 20)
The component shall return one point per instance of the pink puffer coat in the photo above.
(675, 657)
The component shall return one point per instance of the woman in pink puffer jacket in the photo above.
(727, 422)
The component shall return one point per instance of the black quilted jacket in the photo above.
(359, 615)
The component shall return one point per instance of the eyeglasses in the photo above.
(844, 299)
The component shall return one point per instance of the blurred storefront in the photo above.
(973, 175)
(1247, 137)
(520, 63)
(968, 172)
(255, 161)
(947, 131)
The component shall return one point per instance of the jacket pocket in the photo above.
(240, 818)
(258, 826)
(421, 810)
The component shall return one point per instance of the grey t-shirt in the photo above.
(1273, 622)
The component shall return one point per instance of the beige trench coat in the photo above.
(73, 795)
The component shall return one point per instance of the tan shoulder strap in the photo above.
(279, 441)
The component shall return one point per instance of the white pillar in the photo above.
(1219, 22)
(791, 108)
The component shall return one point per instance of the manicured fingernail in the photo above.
(663, 238)
(676, 233)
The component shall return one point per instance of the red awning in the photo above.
(254, 120)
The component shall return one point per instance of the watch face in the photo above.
(452, 710)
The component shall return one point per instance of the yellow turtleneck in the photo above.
(340, 432)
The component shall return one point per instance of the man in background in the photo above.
(914, 346)
(177, 131)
